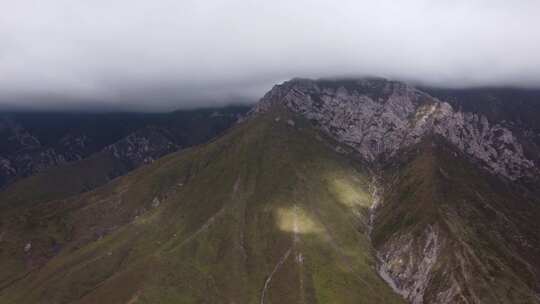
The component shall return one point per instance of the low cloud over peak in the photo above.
(160, 55)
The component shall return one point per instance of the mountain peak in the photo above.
(379, 117)
(374, 87)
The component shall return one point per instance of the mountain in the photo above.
(233, 220)
(456, 215)
(516, 109)
(33, 142)
(329, 191)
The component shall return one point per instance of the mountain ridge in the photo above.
(35, 142)
(294, 205)
(404, 116)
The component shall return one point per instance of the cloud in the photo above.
(155, 55)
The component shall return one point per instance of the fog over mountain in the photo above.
(159, 55)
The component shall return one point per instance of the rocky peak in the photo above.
(378, 118)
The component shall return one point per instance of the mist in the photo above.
(162, 55)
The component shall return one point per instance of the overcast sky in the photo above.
(161, 54)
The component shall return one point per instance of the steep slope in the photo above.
(457, 206)
(378, 118)
(448, 233)
(516, 109)
(268, 213)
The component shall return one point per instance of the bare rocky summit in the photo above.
(378, 118)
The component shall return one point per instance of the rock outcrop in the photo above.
(378, 118)
(143, 147)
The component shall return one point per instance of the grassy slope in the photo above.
(62, 181)
(489, 229)
(25, 216)
(266, 209)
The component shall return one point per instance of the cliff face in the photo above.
(378, 118)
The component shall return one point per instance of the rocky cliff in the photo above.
(378, 118)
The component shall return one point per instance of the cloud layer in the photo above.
(159, 55)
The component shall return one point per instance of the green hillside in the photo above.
(268, 213)
(62, 181)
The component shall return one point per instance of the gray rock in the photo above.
(378, 118)
(156, 202)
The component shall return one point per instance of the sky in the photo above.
(157, 55)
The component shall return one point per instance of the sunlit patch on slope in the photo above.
(349, 194)
(296, 220)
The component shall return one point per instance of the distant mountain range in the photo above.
(34, 142)
(326, 191)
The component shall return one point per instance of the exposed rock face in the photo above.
(7, 172)
(142, 147)
(379, 117)
(406, 263)
(27, 247)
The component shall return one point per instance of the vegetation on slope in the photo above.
(485, 229)
(268, 213)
